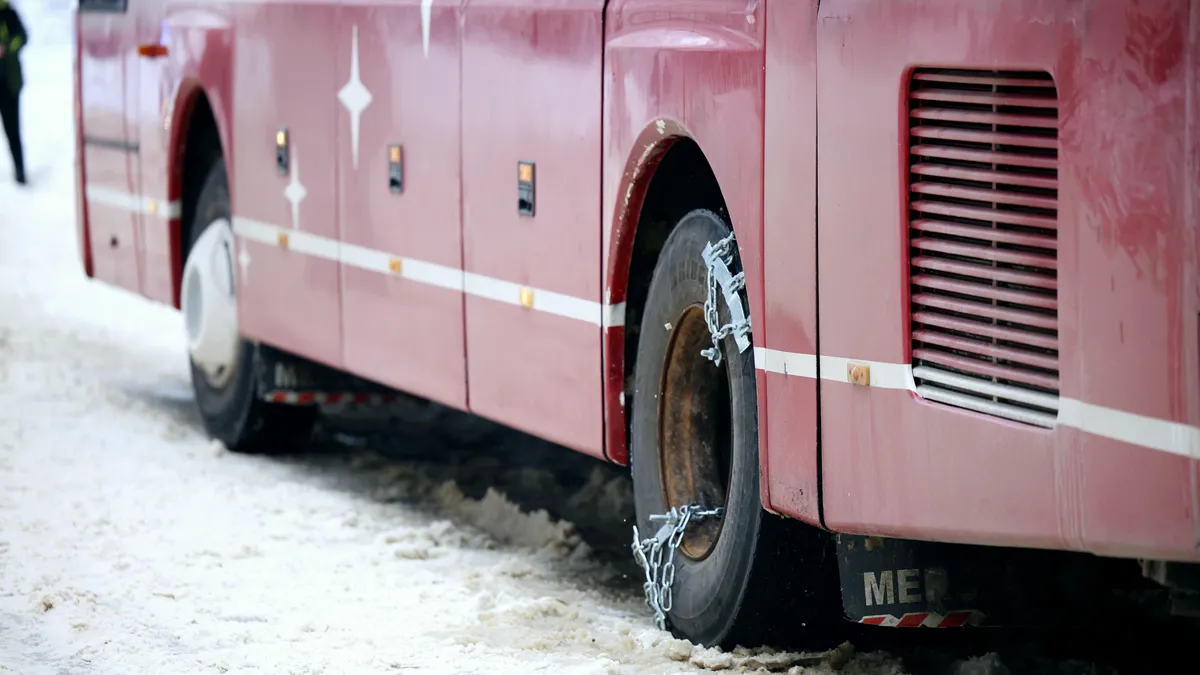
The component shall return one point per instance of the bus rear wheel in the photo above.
(222, 362)
(747, 577)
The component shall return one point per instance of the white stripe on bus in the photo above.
(1153, 433)
(128, 202)
(432, 274)
(412, 269)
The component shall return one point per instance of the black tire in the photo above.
(235, 414)
(762, 579)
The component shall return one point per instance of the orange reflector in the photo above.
(152, 51)
(525, 172)
(282, 239)
(858, 373)
(527, 297)
(396, 265)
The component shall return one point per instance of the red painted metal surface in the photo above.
(1191, 209)
(145, 111)
(898, 465)
(770, 90)
(790, 257)
(398, 331)
(689, 69)
(531, 92)
(285, 65)
(1137, 267)
(108, 147)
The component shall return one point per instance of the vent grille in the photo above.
(983, 228)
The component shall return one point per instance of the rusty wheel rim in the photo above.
(694, 438)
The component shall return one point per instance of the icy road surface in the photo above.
(131, 544)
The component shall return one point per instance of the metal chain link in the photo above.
(648, 553)
(714, 254)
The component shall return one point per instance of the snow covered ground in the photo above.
(131, 544)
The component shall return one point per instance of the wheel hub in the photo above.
(694, 429)
(209, 304)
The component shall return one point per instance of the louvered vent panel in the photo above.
(983, 227)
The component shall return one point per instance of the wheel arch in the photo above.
(196, 142)
(666, 175)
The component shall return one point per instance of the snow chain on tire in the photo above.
(648, 553)
(717, 259)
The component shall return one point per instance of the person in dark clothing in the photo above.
(12, 39)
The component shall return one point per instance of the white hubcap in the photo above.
(209, 303)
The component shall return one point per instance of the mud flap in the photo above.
(908, 584)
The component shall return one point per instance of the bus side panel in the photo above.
(404, 332)
(790, 257)
(112, 204)
(1137, 182)
(1112, 472)
(144, 111)
(284, 78)
(531, 78)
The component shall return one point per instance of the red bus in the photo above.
(858, 289)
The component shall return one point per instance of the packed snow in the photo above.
(129, 543)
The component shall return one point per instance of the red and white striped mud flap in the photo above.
(956, 619)
(327, 398)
